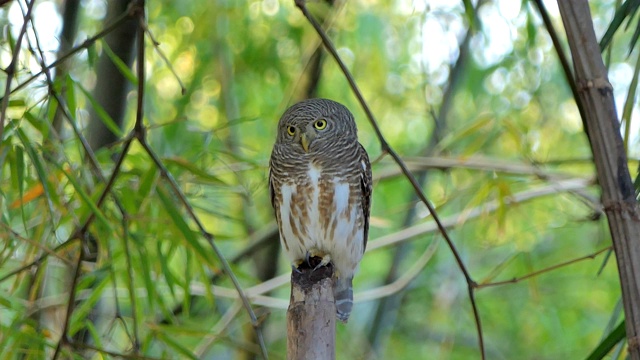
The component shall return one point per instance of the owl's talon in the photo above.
(324, 262)
(296, 265)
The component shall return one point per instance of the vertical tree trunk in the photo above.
(311, 317)
(618, 197)
(112, 87)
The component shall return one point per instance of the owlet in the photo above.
(320, 184)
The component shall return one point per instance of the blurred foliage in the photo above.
(242, 63)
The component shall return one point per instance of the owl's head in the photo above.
(310, 125)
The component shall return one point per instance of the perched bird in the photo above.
(320, 185)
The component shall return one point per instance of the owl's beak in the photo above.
(304, 141)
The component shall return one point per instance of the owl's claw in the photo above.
(324, 262)
(312, 260)
(295, 268)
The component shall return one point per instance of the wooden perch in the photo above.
(311, 317)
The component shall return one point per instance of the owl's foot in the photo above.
(317, 259)
(299, 265)
(313, 260)
(324, 262)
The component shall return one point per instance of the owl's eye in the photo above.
(320, 124)
(291, 130)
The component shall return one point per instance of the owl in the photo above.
(320, 186)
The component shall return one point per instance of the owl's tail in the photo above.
(344, 298)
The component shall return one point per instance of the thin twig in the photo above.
(542, 271)
(64, 339)
(11, 69)
(301, 4)
(138, 129)
(156, 46)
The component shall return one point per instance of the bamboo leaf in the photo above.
(86, 198)
(628, 104)
(626, 10)
(146, 183)
(79, 319)
(189, 235)
(178, 347)
(102, 114)
(122, 67)
(193, 169)
(50, 195)
(165, 267)
(608, 343)
(71, 95)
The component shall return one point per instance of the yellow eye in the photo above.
(291, 130)
(320, 124)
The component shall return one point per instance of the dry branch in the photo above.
(311, 317)
(618, 197)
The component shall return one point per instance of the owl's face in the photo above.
(312, 125)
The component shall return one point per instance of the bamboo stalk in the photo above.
(595, 93)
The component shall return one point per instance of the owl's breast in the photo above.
(320, 214)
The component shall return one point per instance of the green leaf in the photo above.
(16, 103)
(86, 198)
(122, 67)
(70, 92)
(186, 301)
(37, 123)
(168, 275)
(19, 172)
(177, 346)
(626, 10)
(532, 28)
(193, 169)
(608, 343)
(147, 181)
(628, 105)
(102, 114)
(79, 319)
(51, 196)
(470, 12)
(92, 55)
(189, 236)
(145, 269)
